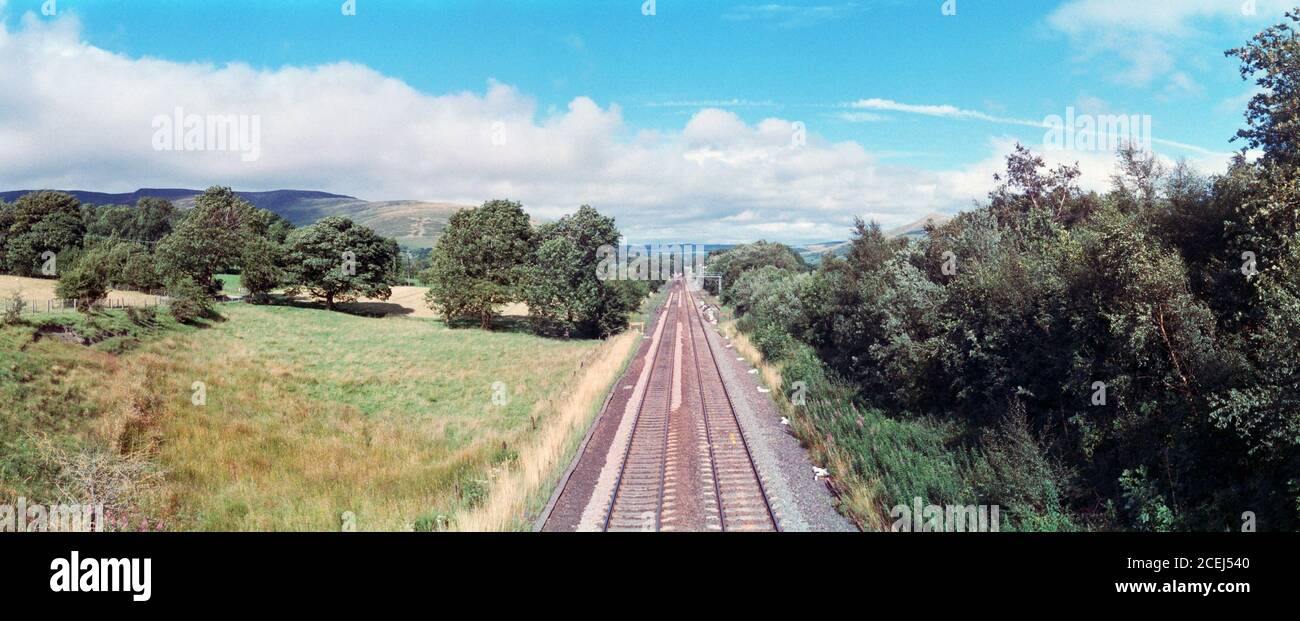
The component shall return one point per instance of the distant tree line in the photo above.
(1120, 360)
(155, 247)
(487, 257)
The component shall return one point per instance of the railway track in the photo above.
(687, 464)
(638, 501)
(742, 502)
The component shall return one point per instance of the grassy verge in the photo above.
(879, 461)
(517, 499)
(307, 420)
(874, 461)
(52, 418)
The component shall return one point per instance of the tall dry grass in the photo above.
(856, 496)
(549, 451)
(311, 416)
(740, 342)
(38, 291)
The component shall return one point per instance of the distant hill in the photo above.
(266, 200)
(917, 229)
(812, 253)
(413, 224)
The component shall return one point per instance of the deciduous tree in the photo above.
(338, 260)
(562, 288)
(480, 261)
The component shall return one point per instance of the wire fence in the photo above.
(59, 304)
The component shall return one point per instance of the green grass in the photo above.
(537, 501)
(230, 283)
(42, 393)
(879, 461)
(308, 414)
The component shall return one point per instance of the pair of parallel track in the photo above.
(667, 481)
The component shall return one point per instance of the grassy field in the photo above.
(405, 301)
(36, 291)
(230, 283)
(409, 301)
(310, 419)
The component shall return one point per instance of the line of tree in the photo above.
(491, 256)
(155, 247)
(487, 257)
(1120, 360)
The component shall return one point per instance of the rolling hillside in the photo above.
(812, 253)
(415, 224)
(917, 229)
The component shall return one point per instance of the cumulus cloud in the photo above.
(75, 116)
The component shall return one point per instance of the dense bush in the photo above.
(491, 256)
(13, 306)
(35, 224)
(1069, 362)
(1120, 360)
(189, 300)
(333, 259)
(733, 262)
(262, 268)
(129, 265)
(215, 236)
(149, 221)
(86, 283)
(480, 262)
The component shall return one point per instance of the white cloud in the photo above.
(710, 103)
(1168, 17)
(1148, 37)
(859, 117)
(1088, 105)
(789, 15)
(1237, 103)
(941, 110)
(78, 117)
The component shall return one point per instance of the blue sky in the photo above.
(943, 93)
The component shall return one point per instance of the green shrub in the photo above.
(473, 491)
(189, 300)
(14, 307)
(128, 265)
(432, 522)
(86, 283)
(143, 316)
(262, 269)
